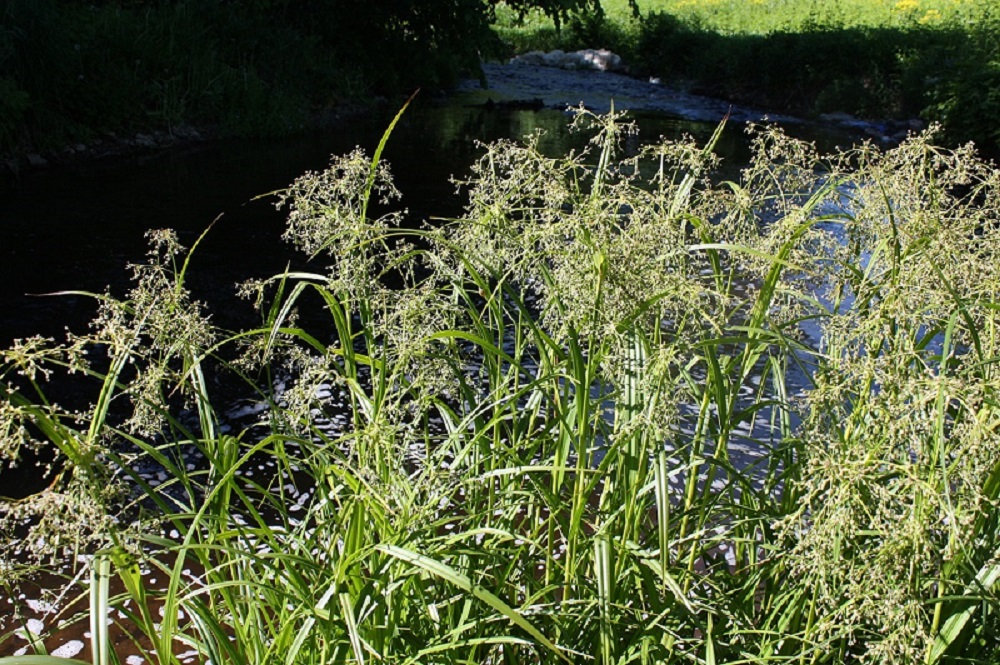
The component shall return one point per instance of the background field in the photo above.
(762, 17)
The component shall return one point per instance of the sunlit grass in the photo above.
(761, 17)
(764, 16)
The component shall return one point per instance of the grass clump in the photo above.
(615, 412)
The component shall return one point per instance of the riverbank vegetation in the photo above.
(616, 412)
(72, 72)
(938, 60)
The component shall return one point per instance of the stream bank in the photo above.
(522, 82)
(519, 84)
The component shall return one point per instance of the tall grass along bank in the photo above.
(615, 412)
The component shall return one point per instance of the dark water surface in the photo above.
(77, 228)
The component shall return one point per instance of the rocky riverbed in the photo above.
(541, 81)
(533, 83)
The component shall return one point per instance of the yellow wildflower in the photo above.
(932, 16)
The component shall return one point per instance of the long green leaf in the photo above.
(461, 581)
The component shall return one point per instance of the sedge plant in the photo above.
(615, 412)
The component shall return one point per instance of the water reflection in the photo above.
(77, 228)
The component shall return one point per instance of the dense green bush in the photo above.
(522, 435)
(13, 106)
(83, 69)
(962, 84)
(938, 74)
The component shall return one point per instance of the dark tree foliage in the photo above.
(396, 42)
(74, 68)
(403, 42)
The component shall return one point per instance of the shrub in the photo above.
(523, 433)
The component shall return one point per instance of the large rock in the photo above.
(602, 59)
(587, 59)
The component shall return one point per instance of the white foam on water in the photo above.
(68, 650)
(40, 606)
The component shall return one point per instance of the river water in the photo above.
(77, 227)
